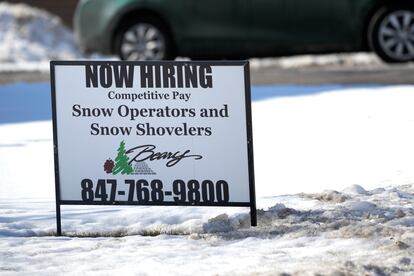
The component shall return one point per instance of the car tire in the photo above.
(391, 33)
(143, 39)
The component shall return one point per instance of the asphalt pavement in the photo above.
(390, 74)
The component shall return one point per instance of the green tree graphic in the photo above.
(121, 165)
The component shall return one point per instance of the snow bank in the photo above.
(31, 37)
(29, 34)
(366, 234)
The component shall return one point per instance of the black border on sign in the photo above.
(244, 64)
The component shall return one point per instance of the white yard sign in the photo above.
(153, 133)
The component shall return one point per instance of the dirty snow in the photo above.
(369, 234)
(326, 60)
(334, 178)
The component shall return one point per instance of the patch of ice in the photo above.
(220, 223)
(355, 190)
(409, 222)
(377, 191)
(328, 196)
(362, 206)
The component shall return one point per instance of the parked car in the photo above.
(215, 29)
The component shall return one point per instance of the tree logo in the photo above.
(122, 165)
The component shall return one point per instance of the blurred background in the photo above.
(63, 9)
(286, 41)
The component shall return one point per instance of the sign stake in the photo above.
(58, 221)
(253, 216)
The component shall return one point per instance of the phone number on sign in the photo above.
(146, 192)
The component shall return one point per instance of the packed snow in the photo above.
(302, 234)
(330, 134)
(335, 196)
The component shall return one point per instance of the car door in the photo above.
(217, 27)
(268, 28)
(300, 26)
(318, 25)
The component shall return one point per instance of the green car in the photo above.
(215, 29)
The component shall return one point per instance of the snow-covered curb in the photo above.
(327, 60)
(19, 67)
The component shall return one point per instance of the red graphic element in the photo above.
(108, 166)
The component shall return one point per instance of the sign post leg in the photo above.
(58, 221)
(253, 215)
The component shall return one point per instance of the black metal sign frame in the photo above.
(249, 142)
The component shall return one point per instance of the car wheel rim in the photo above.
(396, 35)
(143, 41)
